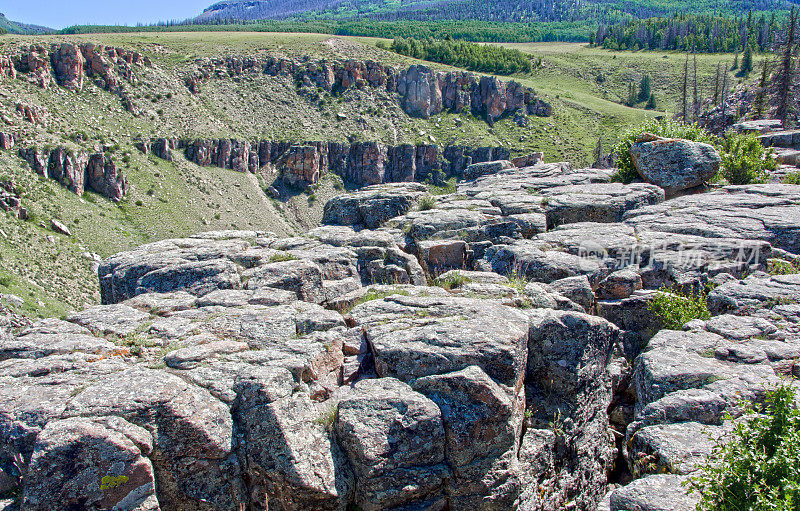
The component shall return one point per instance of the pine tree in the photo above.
(747, 61)
(785, 71)
(631, 94)
(598, 151)
(735, 62)
(684, 90)
(651, 102)
(644, 88)
(760, 101)
(695, 97)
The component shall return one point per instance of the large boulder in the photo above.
(93, 465)
(674, 164)
(395, 440)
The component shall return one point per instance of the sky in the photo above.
(65, 13)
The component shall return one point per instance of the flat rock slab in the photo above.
(373, 205)
(597, 202)
(413, 337)
(768, 212)
(755, 292)
(654, 493)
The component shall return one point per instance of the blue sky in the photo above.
(64, 13)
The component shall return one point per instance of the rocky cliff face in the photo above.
(68, 64)
(78, 171)
(239, 370)
(422, 91)
(361, 163)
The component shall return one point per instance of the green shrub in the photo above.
(791, 179)
(281, 257)
(781, 267)
(427, 202)
(758, 468)
(626, 171)
(452, 281)
(447, 187)
(675, 309)
(745, 160)
(5, 280)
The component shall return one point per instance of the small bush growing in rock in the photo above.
(452, 281)
(281, 257)
(626, 171)
(745, 160)
(427, 202)
(675, 309)
(781, 267)
(791, 179)
(758, 468)
(5, 280)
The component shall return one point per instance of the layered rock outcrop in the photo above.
(303, 163)
(237, 369)
(422, 91)
(68, 64)
(78, 171)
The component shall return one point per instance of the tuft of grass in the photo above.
(426, 203)
(517, 280)
(781, 267)
(675, 309)
(756, 469)
(327, 418)
(281, 257)
(792, 178)
(452, 281)
(448, 187)
(374, 294)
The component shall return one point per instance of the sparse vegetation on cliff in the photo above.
(757, 467)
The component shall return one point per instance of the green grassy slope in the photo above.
(180, 198)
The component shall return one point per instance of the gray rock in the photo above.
(601, 202)
(413, 337)
(302, 277)
(578, 289)
(483, 169)
(654, 493)
(372, 206)
(674, 164)
(290, 456)
(755, 292)
(395, 442)
(482, 423)
(118, 319)
(766, 212)
(112, 470)
(671, 448)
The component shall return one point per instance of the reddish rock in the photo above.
(7, 68)
(68, 63)
(32, 114)
(6, 141)
(528, 160)
(36, 61)
(301, 166)
(103, 177)
(67, 168)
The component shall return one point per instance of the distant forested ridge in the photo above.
(476, 31)
(518, 11)
(15, 27)
(710, 34)
(472, 56)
